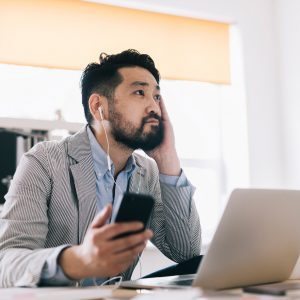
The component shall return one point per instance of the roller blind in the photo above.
(69, 34)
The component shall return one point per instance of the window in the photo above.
(30, 92)
(210, 139)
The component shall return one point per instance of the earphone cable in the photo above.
(116, 285)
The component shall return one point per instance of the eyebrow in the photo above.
(143, 83)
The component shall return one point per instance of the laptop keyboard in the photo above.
(185, 282)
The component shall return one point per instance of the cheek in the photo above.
(129, 112)
(133, 115)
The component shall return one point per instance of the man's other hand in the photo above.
(165, 154)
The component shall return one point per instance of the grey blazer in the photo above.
(52, 201)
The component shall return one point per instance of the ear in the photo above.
(95, 102)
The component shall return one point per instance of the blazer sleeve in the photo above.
(24, 222)
(175, 221)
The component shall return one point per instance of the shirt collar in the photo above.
(100, 158)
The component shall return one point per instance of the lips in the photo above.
(152, 121)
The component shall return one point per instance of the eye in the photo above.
(157, 97)
(140, 92)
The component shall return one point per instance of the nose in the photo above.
(153, 106)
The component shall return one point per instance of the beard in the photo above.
(133, 137)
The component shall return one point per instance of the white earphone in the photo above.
(100, 109)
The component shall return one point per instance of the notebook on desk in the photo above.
(257, 241)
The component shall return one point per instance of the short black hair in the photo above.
(104, 77)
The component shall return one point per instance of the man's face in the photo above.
(134, 113)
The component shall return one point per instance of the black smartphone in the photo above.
(278, 289)
(134, 207)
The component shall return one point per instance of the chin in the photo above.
(151, 128)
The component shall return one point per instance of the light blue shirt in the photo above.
(52, 273)
(105, 177)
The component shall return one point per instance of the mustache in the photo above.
(151, 116)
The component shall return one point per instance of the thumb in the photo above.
(102, 217)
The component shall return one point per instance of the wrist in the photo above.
(169, 166)
(71, 263)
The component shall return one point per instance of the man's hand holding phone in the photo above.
(101, 254)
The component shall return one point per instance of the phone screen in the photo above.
(135, 207)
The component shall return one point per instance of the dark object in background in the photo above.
(13, 144)
(8, 160)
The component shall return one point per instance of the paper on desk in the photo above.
(186, 294)
(67, 293)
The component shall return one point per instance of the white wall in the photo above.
(288, 24)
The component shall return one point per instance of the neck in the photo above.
(118, 153)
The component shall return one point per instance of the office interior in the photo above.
(234, 130)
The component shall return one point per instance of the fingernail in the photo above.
(140, 225)
(150, 233)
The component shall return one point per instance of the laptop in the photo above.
(256, 242)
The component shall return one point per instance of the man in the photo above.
(50, 230)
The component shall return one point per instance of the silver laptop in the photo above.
(257, 241)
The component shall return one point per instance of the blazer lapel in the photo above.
(84, 180)
(137, 181)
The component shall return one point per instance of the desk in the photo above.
(97, 293)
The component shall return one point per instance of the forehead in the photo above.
(137, 74)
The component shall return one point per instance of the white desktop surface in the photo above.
(95, 293)
(55, 293)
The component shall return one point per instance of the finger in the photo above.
(121, 261)
(129, 255)
(129, 242)
(164, 113)
(102, 217)
(110, 231)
